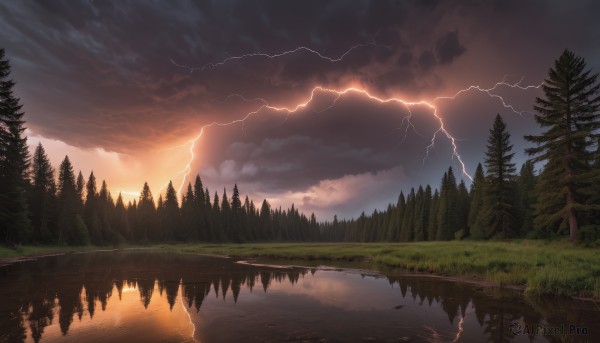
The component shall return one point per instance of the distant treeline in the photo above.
(563, 197)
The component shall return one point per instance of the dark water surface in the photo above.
(160, 297)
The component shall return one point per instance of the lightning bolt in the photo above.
(213, 65)
(408, 104)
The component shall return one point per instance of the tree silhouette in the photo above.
(43, 196)
(447, 214)
(478, 190)
(91, 217)
(15, 226)
(71, 227)
(525, 203)
(569, 113)
(171, 227)
(145, 222)
(498, 210)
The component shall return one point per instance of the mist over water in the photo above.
(165, 297)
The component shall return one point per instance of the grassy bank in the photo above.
(541, 267)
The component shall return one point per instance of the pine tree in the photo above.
(80, 186)
(226, 216)
(237, 231)
(15, 226)
(499, 211)
(171, 224)
(121, 219)
(397, 219)
(478, 191)
(156, 234)
(105, 208)
(145, 215)
(447, 222)
(266, 221)
(570, 114)
(71, 227)
(91, 217)
(462, 210)
(202, 210)
(421, 214)
(190, 214)
(43, 196)
(132, 219)
(249, 226)
(407, 231)
(216, 220)
(433, 215)
(525, 198)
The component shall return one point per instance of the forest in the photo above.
(41, 205)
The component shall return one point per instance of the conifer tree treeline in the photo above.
(485, 211)
(500, 204)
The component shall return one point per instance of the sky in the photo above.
(334, 106)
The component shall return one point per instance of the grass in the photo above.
(540, 267)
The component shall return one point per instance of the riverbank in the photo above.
(537, 267)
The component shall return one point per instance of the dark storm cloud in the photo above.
(360, 150)
(113, 57)
(448, 47)
(313, 145)
(99, 74)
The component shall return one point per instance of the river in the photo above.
(140, 296)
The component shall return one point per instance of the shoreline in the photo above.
(473, 281)
(388, 258)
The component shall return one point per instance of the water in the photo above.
(161, 297)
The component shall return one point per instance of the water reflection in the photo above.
(140, 296)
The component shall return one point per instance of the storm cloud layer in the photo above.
(133, 82)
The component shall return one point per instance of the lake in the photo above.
(140, 296)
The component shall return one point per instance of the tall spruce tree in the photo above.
(145, 222)
(238, 233)
(525, 198)
(397, 218)
(266, 230)
(91, 217)
(499, 210)
(43, 196)
(433, 215)
(462, 210)
(226, 216)
(421, 214)
(190, 214)
(447, 220)
(71, 228)
(105, 208)
(569, 113)
(80, 186)
(15, 225)
(216, 220)
(478, 190)
(201, 210)
(121, 219)
(407, 231)
(172, 227)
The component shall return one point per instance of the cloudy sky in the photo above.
(141, 90)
